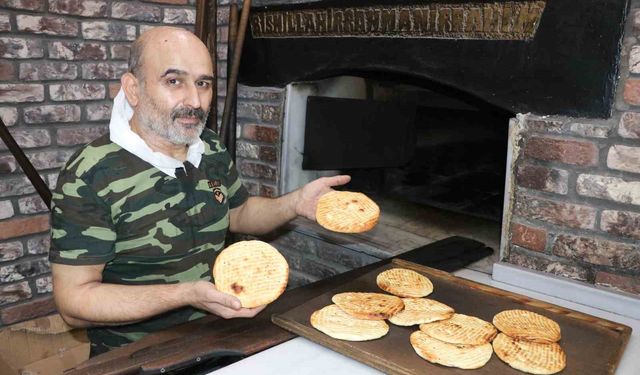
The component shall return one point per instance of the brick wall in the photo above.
(60, 64)
(576, 198)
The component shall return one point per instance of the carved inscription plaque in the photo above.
(517, 20)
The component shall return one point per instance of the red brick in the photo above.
(104, 70)
(80, 135)
(261, 93)
(15, 186)
(6, 210)
(268, 191)
(40, 160)
(222, 51)
(629, 126)
(562, 150)
(23, 226)
(179, 2)
(7, 71)
(29, 310)
(21, 48)
(543, 125)
(23, 270)
(32, 205)
(136, 12)
(52, 113)
(599, 251)
(47, 71)
(182, 16)
(50, 25)
(528, 237)
(629, 284)
(268, 154)
(86, 8)
(5, 22)
(24, 4)
(29, 138)
(44, 285)
(223, 34)
(261, 133)
(542, 178)
(558, 213)
(632, 91)
(621, 223)
(255, 170)
(39, 244)
(223, 15)
(591, 130)
(11, 250)
(247, 150)
(9, 116)
(98, 112)
(624, 158)
(77, 51)
(14, 292)
(251, 187)
(77, 91)
(636, 21)
(263, 113)
(539, 262)
(610, 188)
(18, 93)
(100, 30)
(120, 51)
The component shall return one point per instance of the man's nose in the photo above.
(192, 97)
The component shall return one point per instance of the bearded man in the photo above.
(140, 213)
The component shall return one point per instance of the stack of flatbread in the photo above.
(461, 341)
(357, 316)
(529, 342)
(360, 316)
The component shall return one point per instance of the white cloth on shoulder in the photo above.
(122, 135)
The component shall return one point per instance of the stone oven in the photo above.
(523, 131)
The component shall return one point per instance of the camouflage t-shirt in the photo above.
(111, 207)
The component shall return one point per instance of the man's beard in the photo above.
(153, 117)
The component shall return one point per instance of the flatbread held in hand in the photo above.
(253, 271)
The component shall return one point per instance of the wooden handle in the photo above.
(37, 181)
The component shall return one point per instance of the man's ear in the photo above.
(130, 85)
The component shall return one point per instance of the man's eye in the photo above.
(173, 81)
(204, 84)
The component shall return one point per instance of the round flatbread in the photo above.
(253, 271)
(347, 212)
(451, 355)
(461, 329)
(527, 325)
(332, 321)
(370, 306)
(404, 283)
(531, 357)
(421, 310)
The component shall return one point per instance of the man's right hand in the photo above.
(208, 298)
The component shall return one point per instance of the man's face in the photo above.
(176, 89)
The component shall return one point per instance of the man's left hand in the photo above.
(311, 192)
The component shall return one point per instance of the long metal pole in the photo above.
(37, 181)
(227, 133)
(232, 81)
(201, 20)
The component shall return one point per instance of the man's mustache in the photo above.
(199, 113)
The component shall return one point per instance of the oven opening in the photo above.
(434, 159)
